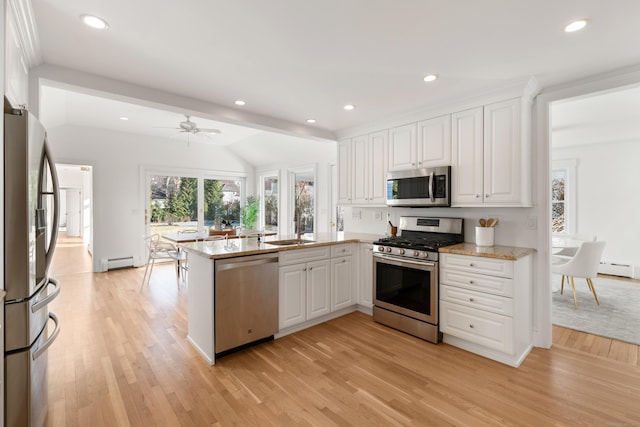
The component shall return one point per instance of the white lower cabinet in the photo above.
(315, 282)
(485, 306)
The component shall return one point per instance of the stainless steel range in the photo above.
(405, 272)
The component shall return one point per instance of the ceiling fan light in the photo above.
(576, 25)
(94, 22)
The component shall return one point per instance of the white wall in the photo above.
(117, 159)
(607, 197)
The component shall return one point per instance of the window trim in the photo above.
(570, 198)
(262, 176)
(291, 194)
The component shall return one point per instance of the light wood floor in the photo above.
(122, 359)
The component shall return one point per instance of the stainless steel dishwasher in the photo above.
(246, 300)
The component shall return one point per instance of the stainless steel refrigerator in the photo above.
(30, 233)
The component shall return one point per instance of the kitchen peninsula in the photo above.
(243, 289)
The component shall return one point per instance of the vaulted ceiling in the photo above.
(296, 60)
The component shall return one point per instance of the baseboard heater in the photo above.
(616, 269)
(117, 263)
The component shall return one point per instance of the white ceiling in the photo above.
(600, 118)
(293, 60)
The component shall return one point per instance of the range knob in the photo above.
(380, 248)
(388, 249)
(416, 253)
(401, 251)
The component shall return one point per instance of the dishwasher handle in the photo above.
(232, 263)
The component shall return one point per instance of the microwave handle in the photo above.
(431, 183)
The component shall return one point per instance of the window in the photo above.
(269, 201)
(179, 202)
(173, 204)
(222, 200)
(303, 201)
(563, 199)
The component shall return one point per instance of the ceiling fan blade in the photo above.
(208, 130)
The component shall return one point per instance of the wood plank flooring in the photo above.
(122, 359)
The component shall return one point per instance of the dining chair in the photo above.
(583, 264)
(159, 251)
(183, 260)
(571, 251)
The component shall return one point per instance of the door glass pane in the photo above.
(174, 204)
(270, 203)
(304, 211)
(558, 181)
(222, 203)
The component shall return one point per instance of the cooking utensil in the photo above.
(490, 222)
(483, 222)
(495, 222)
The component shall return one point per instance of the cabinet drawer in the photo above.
(341, 250)
(297, 256)
(491, 266)
(487, 329)
(477, 282)
(483, 301)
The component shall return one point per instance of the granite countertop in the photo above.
(500, 252)
(218, 249)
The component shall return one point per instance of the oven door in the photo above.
(406, 287)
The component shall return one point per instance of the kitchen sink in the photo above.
(290, 242)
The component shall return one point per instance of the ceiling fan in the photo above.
(192, 128)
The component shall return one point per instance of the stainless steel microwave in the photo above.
(424, 187)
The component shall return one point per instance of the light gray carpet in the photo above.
(617, 316)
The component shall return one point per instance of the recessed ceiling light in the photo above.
(124, 118)
(94, 22)
(240, 102)
(430, 77)
(311, 120)
(349, 107)
(576, 25)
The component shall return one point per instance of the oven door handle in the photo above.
(404, 260)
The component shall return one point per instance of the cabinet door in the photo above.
(467, 158)
(344, 172)
(502, 152)
(365, 294)
(292, 307)
(342, 290)
(318, 288)
(434, 142)
(361, 171)
(378, 164)
(402, 147)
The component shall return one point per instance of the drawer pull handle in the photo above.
(471, 326)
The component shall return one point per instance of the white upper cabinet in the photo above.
(434, 142)
(490, 156)
(362, 169)
(16, 70)
(423, 144)
(403, 153)
(344, 172)
(467, 158)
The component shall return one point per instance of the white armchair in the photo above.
(583, 264)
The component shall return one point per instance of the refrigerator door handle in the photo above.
(41, 304)
(49, 341)
(48, 160)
